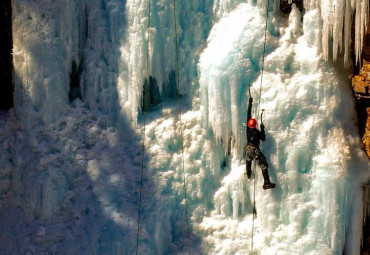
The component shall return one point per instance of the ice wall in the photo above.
(108, 40)
(71, 178)
(311, 142)
(223, 7)
(337, 18)
(228, 66)
(193, 19)
(43, 52)
(48, 36)
(106, 26)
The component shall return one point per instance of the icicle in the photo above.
(338, 28)
(362, 10)
(347, 30)
(357, 29)
(336, 15)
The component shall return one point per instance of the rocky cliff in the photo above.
(6, 63)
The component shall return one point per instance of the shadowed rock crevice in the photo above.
(286, 7)
(6, 59)
(361, 89)
(74, 82)
(153, 95)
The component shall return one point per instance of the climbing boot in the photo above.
(248, 173)
(267, 184)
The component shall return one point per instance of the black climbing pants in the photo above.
(253, 152)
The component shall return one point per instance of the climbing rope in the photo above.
(181, 129)
(144, 127)
(144, 131)
(258, 109)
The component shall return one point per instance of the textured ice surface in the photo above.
(70, 173)
(337, 17)
(310, 144)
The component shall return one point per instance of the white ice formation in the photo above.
(70, 176)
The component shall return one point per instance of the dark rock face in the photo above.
(152, 95)
(74, 83)
(286, 7)
(366, 49)
(361, 89)
(6, 59)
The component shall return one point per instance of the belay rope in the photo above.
(181, 129)
(144, 127)
(258, 109)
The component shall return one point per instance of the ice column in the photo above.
(336, 15)
(45, 42)
(193, 24)
(137, 60)
(227, 66)
(48, 36)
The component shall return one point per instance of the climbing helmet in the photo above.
(252, 123)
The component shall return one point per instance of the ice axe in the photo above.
(250, 96)
(262, 116)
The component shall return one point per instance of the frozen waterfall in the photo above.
(71, 171)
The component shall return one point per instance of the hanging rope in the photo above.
(146, 84)
(258, 109)
(181, 130)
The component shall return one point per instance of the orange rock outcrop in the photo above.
(361, 88)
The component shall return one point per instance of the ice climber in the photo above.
(252, 149)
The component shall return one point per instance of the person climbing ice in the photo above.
(252, 150)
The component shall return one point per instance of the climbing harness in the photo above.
(181, 128)
(144, 127)
(258, 108)
(256, 153)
